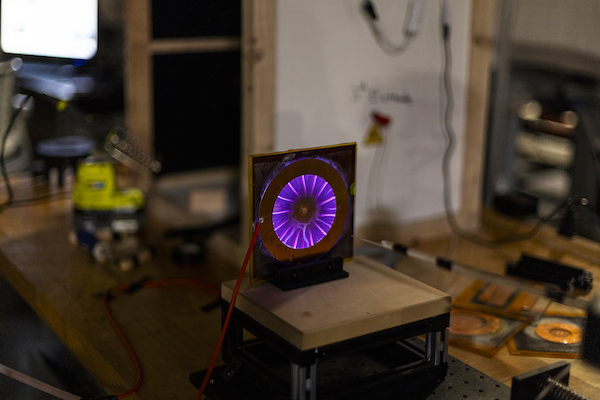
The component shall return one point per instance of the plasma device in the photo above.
(313, 320)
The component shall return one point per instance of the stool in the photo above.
(63, 152)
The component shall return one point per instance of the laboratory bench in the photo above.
(172, 331)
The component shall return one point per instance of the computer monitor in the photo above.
(50, 39)
(49, 28)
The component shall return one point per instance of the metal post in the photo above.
(313, 381)
(429, 346)
(445, 343)
(438, 340)
(298, 382)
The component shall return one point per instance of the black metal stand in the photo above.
(298, 276)
(375, 366)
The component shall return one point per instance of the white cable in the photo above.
(446, 16)
(39, 385)
(414, 16)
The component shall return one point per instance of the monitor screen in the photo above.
(50, 28)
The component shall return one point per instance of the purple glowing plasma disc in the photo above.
(304, 211)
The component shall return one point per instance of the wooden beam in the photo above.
(482, 48)
(138, 72)
(194, 45)
(258, 76)
(258, 89)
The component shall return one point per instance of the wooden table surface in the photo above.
(167, 327)
(503, 366)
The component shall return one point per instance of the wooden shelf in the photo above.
(194, 45)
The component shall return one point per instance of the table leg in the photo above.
(301, 383)
(436, 344)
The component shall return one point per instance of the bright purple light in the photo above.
(304, 211)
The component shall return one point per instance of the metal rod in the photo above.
(39, 385)
(313, 381)
(557, 390)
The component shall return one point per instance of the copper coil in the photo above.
(471, 323)
(559, 332)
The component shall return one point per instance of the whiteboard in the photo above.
(331, 75)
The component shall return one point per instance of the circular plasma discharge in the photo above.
(305, 207)
(304, 211)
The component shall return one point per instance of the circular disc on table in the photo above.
(305, 207)
(558, 332)
(470, 323)
(65, 146)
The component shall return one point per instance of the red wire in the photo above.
(228, 315)
(157, 283)
(127, 344)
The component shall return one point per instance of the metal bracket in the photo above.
(233, 367)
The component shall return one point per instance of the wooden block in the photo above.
(373, 298)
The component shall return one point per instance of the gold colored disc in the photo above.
(558, 332)
(269, 237)
(471, 323)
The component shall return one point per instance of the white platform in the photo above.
(373, 298)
